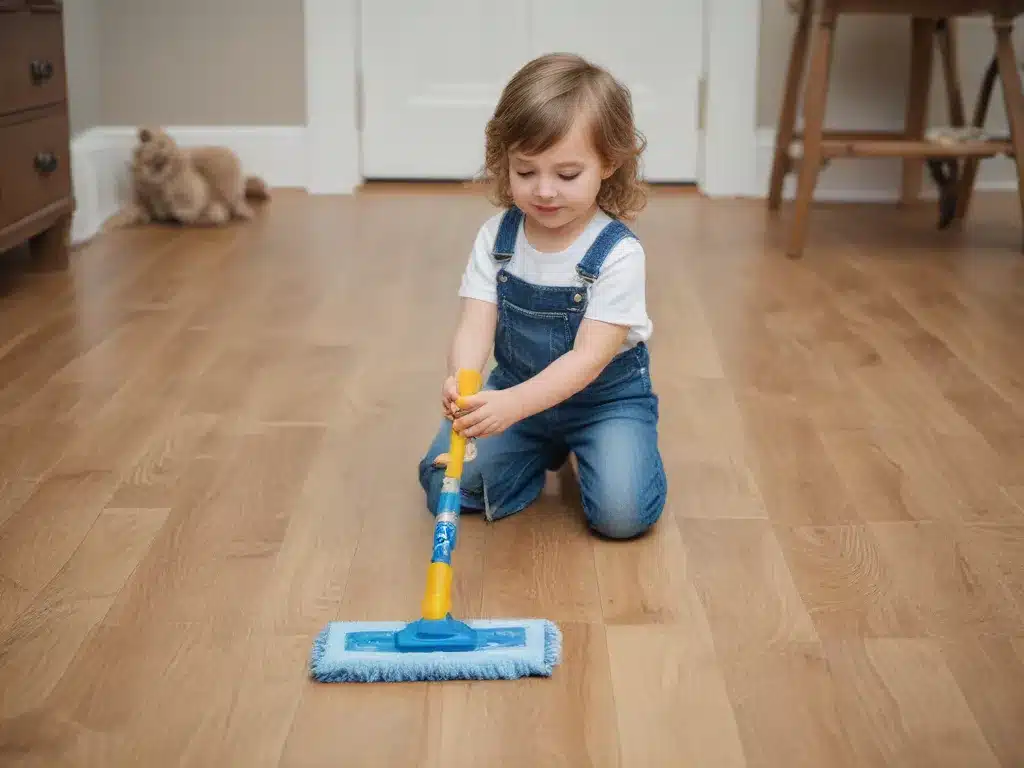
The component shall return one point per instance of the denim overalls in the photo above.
(610, 426)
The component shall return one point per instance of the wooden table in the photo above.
(930, 20)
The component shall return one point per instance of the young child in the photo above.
(555, 286)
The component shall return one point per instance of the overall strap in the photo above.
(505, 241)
(590, 265)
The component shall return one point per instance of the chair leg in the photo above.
(1013, 97)
(945, 31)
(790, 100)
(921, 55)
(815, 98)
(963, 197)
(947, 39)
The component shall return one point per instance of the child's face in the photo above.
(561, 183)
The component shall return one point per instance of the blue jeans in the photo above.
(622, 479)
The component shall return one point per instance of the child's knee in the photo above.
(621, 510)
(431, 468)
(434, 464)
(430, 482)
(623, 520)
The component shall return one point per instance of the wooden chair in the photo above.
(931, 22)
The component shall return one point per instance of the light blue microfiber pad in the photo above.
(363, 651)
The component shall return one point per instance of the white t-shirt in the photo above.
(617, 296)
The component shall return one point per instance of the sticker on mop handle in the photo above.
(444, 542)
(442, 459)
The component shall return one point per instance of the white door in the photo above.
(433, 70)
(655, 47)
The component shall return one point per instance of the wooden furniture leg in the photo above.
(947, 170)
(50, 248)
(790, 102)
(815, 98)
(921, 57)
(946, 33)
(970, 173)
(1013, 97)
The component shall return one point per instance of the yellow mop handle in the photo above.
(437, 599)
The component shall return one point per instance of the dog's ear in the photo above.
(145, 134)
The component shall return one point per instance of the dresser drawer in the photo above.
(35, 166)
(31, 60)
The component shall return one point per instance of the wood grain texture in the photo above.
(208, 443)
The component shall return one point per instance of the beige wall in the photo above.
(868, 89)
(201, 62)
(82, 59)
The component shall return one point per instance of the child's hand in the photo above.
(489, 413)
(450, 398)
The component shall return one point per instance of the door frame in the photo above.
(728, 151)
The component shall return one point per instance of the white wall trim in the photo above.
(870, 179)
(99, 163)
(732, 60)
(728, 154)
(87, 173)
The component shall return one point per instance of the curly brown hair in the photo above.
(539, 106)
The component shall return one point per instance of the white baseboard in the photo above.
(870, 180)
(91, 179)
(100, 156)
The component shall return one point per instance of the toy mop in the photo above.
(437, 646)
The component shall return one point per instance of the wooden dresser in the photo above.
(36, 203)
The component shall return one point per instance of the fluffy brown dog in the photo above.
(193, 185)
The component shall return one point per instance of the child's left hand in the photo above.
(489, 412)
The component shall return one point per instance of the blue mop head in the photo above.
(395, 651)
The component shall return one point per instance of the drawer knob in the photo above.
(46, 162)
(41, 70)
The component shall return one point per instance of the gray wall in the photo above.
(869, 89)
(244, 63)
(187, 62)
(82, 55)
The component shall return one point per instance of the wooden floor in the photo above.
(208, 444)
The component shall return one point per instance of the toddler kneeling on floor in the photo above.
(555, 285)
